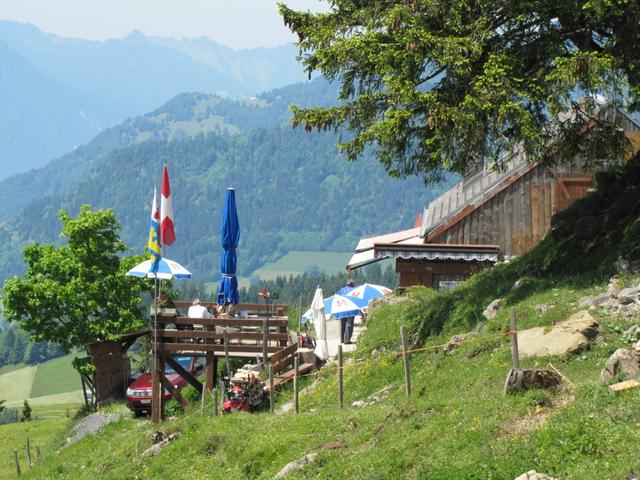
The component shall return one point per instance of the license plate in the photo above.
(145, 402)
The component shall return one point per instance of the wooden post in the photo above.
(221, 394)
(156, 389)
(405, 358)
(271, 399)
(29, 453)
(225, 335)
(215, 402)
(15, 454)
(265, 341)
(340, 378)
(515, 356)
(84, 390)
(37, 453)
(300, 317)
(295, 383)
(211, 364)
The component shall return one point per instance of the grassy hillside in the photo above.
(457, 424)
(55, 377)
(48, 383)
(45, 433)
(16, 384)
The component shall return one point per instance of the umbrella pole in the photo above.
(156, 403)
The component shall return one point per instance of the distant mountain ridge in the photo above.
(186, 115)
(58, 92)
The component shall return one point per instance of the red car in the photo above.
(139, 392)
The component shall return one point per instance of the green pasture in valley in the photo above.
(295, 263)
(16, 385)
(56, 376)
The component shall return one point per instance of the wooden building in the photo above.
(489, 216)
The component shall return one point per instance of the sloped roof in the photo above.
(469, 192)
(465, 196)
(365, 251)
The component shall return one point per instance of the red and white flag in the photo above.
(167, 232)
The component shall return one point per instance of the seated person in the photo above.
(198, 311)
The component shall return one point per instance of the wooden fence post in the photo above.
(28, 453)
(15, 454)
(515, 356)
(221, 394)
(295, 384)
(37, 453)
(405, 359)
(265, 341)
(215, 402)
(271, 399)
(340, 378)
(225, 336)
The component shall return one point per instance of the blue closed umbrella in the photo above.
(228, 289)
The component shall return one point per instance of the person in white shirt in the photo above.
(198, 311)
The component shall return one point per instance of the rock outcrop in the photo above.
(565, 337)
(533, 475)
(624, 362)
(492, 309)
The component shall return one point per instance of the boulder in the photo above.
(492, 309)
(632, 334)
(586, 302)
(295, 465)
(450, 346)
(622, 361)
(565, 337)
(533, 475)
(614, 285)
(628, 295)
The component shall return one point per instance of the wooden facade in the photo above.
(509, 209)
(515, 215)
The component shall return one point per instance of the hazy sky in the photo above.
(236, 23)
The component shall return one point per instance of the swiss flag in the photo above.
(167, 232)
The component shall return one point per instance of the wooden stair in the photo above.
(288, 375)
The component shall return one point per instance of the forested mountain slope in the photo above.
(295, 192)
(186, 115)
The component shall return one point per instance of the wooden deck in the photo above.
(254, 331)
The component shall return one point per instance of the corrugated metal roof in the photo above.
(365, 250)
(466, 192)
(369, 242)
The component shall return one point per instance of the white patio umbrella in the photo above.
(320, 324)
(165, 270)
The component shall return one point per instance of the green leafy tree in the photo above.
(77, 294)
(434, 85)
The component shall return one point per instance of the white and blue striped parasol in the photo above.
(167, 269)
(339, 306)
(368, 291)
